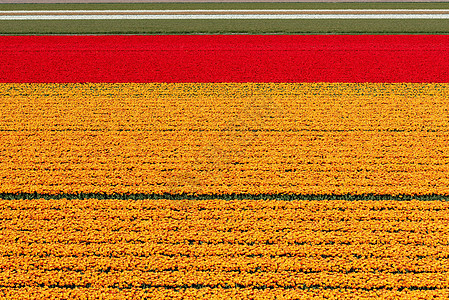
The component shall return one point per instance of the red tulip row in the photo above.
(221, 58)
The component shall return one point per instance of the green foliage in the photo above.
(224, 27)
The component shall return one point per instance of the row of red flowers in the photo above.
(221, 58)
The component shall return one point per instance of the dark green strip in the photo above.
(223, 5)
(285, 197)
(224, 27)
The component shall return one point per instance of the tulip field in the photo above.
(224, 167)
(236, 249)
(226, 138)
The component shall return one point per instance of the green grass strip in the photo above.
(38, 27)
(338, 26)
(285, 197)
(223, 5)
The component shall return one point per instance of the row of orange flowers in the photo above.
(186, 279)
(332, 249)
(33, 293)
(210, 246)
(340, 261)
(211, 138)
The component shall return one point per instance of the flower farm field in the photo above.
(217, 138)
(224, 167)
(225, 59)
(186, 249)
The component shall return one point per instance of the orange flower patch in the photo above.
(221, 138)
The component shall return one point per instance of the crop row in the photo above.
(193, 293)
(216, 247)
(225, 138)
(227, 58)
(316, 138)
